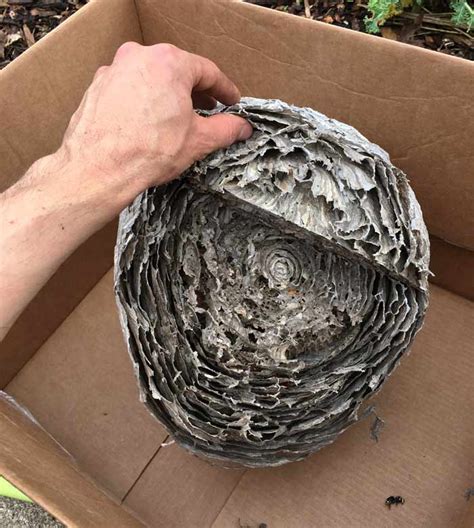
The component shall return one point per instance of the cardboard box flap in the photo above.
(37, 465)
(413, 102)
(423, 453)
(39, 92)
(415, 110)
(42, 88)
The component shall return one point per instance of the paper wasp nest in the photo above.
(273, 288)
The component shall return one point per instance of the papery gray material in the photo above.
(271, 290)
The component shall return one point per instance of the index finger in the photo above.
(207, 77)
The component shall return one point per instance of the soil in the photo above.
(23, 22)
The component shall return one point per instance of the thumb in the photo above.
(221, 131)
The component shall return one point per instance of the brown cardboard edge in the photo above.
(37, 465)
(387, 43)
(453, 267)
(58, 32)
(77, 276)
(53, 304)
(468, 519)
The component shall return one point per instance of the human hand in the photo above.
(136, 125)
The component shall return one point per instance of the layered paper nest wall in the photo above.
(271, 290)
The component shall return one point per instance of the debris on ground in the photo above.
(24, 22)
(446, 26)
(438, 25)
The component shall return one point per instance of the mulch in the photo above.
(23, 22)
(428, 28)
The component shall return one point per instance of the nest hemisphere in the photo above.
(271, 290)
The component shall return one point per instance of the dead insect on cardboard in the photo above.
(394, 500)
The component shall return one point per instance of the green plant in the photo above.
(463, 14)
(382, 10)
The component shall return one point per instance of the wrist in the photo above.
(101, 181)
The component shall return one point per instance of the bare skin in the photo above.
(136, 127)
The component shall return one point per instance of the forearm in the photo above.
(135, 127)
(53, 209)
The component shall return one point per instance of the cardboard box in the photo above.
(65, 359)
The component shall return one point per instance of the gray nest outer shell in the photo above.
(266, 294)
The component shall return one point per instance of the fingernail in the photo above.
(245, 132)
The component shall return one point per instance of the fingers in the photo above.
(220, 131)
(202, 74)
(207, 77)
(127, 48)
(100, 72)
(203, 101)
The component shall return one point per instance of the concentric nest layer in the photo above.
(273, 288)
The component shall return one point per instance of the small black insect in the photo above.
(390, 501)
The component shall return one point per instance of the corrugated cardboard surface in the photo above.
(39, 92)
(31, 460)
(180, 490)
(81, 388)
(80, 384)
(423, 453)
(415, 103)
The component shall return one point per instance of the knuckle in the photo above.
(167, 54)
(100, 71)
(166, 49)
(126, 48)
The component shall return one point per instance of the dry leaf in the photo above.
(389, 33)
(3, 39)
(11, 38)
(429, 40)
(29, 38)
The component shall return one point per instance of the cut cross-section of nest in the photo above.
(273, 288)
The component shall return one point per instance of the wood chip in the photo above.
(307, 9)
(389, 33)
(3, 38)
(30, 39)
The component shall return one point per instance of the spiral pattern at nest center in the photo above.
(269, 292)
